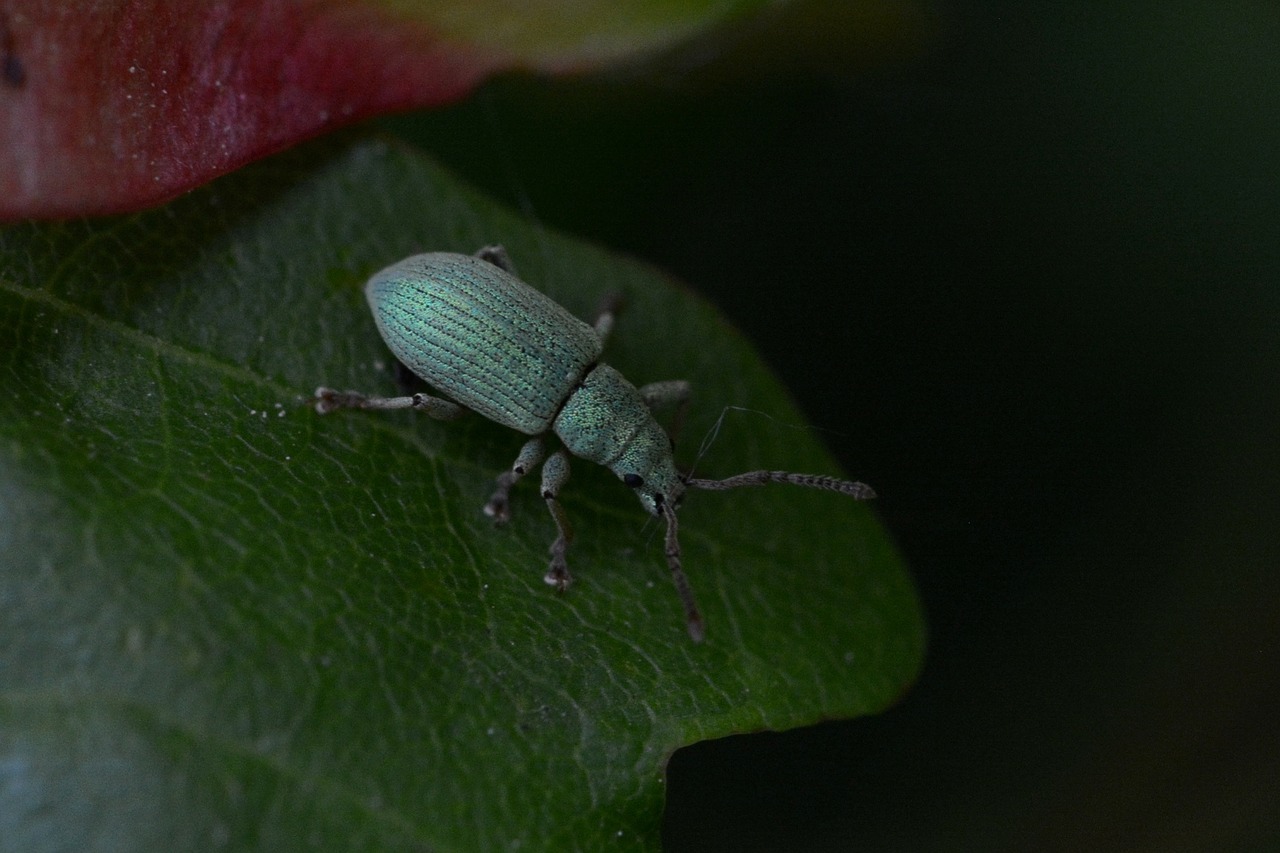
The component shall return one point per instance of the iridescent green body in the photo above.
(492, 343)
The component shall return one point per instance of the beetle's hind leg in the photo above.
(329, 400)
(531, 454)
(497, 256)
(606, 313)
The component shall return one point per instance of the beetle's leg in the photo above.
(328, 400)
(497, 256)
(673, 392)
(606, 313)
(555, 473)
(530, 455)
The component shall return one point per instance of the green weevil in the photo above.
(469, 327)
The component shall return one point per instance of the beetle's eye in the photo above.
(632, 481)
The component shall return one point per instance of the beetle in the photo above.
(469, 327)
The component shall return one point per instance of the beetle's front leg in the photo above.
(530, 455)
(673, 392)
(328, 400)
(555, 473)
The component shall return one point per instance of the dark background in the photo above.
(1025, 279)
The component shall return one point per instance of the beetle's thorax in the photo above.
(605, 420)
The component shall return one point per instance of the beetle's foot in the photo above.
(558, 574)
(498, 507)
(329, 400)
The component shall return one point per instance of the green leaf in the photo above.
(227, 621)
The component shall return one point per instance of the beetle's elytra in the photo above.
(469, 327)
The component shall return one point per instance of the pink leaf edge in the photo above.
(111, 106)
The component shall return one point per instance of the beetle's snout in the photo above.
(651, 501)
(657, 503)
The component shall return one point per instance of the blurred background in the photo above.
(1019, 265)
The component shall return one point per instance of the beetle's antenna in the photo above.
(692, 618)
(857, 491)
(714, 432)
(709, 439)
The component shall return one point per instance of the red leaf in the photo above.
(114, 105)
